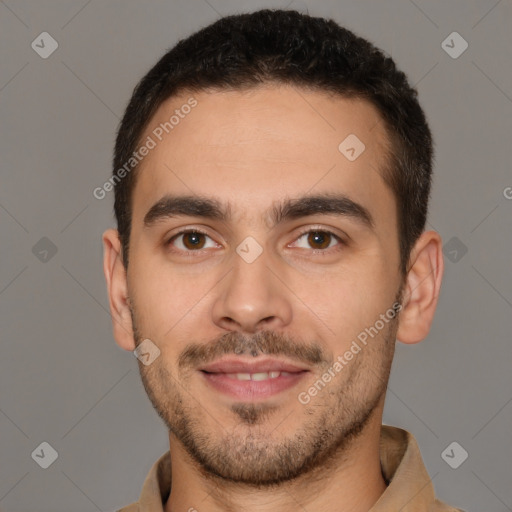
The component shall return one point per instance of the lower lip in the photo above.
(249, 390)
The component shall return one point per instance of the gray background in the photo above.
(63, 379)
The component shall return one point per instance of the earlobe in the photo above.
(422, 287)
(117, 288)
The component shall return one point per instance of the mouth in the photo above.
(252, 380)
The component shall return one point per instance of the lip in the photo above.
(216, 377)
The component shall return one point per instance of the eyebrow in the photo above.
(171, 206)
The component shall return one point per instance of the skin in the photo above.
(253, 149)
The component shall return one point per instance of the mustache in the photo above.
(261, 343)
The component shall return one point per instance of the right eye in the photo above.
(190, 240)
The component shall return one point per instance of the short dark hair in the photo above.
(287, 47)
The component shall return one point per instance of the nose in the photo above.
(252, 297)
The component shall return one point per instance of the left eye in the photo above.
(318, 239)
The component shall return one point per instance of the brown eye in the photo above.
(319, 239)
(190, 241)
(193, 240)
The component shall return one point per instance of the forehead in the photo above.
(251, 147)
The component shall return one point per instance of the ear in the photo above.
(115, 276)
(422, 287)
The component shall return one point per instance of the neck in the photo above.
(351, 482)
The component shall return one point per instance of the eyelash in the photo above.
(322, 252)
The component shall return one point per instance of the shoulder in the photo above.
(134, 507)
(440, 506)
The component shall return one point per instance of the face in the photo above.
(256, 289)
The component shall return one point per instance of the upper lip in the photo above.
(237, 365)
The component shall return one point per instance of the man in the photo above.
(272, 175)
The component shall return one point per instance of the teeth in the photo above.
(259, 376)
(256, 376)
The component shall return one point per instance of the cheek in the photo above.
(167, 302)
(349, 300)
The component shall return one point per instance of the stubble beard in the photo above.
(253, 452)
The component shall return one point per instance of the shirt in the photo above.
(409, 488)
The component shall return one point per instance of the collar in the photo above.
(409, 488)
